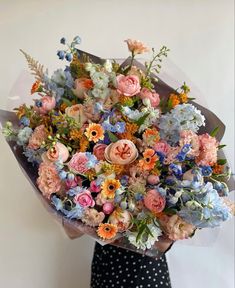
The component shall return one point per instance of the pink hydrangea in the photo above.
(208, 150)
(171, 155)
(48, 181)
(189, 137)
(39, 135)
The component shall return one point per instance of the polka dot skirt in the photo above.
(119, 268)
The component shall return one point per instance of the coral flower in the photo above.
(35, 87)
(109, 187)
(136, 46)
(94, 132)
(107, 231)
(151, 137)
(149, 160)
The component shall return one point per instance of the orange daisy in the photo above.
(94, 132)
(107, 231)
(109, 187)
(149, 160)
(151, 136)
(35, 87)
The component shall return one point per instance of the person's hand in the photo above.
(71, 232)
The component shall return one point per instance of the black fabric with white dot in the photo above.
(119, 268)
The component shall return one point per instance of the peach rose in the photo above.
(128, 85)
(77, 113)
(136, 46)
(47, 104)
(99, 150)
(48, 181)
(121, 152)
(154, 201)
(152, 96)
(175, 227)
(81, 86)
(58, 151)
(39, 135)
(120, 218)
(78, 163)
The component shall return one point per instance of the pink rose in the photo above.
(78, 163)
(121, 152)
(128, 85)
(98, 151)
(47, 104)
(48, 181)
(108, 208)
(152, 96)
(136, 46)
(154, 201)
(58, 151)
(189, 137)
(77, 181)
(175, 227)
(208, 150)
(82, 85)
(39, 135)
(77, 113)
(162, 146)
(84, 199)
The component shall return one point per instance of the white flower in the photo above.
(108, 65)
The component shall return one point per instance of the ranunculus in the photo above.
(162, 146)
(154, 201)
(82, 85)
(121, 152)
(153, 179)
(108, 208)
(92, 217)
(136, 46)
(94, 187)
(48, 181)
(47, 104)
(98, 151)
(84, 199)
(78, 163)
(189, 137)
(58, 151)
(77, 113)
(120, 218)
(208, 150)
(152, 96)
(128, 85)
(175, 227)
(39, 135)
(76, 181)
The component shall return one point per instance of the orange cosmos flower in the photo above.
(109, 187)
(149, 160)
(107, 231)
(94, 132)
(35, 87)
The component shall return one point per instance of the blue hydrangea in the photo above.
(182, 117)
(24, 135)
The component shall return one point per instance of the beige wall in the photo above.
(33, 249)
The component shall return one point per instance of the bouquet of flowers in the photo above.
(117, 153)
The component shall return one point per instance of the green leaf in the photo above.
(221, 161)
(148, 231)
(141, 120)
(112, 137)
(67, 101)
(221, 146)
(141, 231)
(214, 132)
(170, 211)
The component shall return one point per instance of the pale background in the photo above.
(34, 252)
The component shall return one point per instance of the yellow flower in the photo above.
(183, 98)
(94, 132)
(107, 231)
(109, 187)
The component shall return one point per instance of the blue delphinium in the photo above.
(206, 170)
(183, 153)
(34, 156)
(24, 121)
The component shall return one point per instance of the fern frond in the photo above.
(36, 68)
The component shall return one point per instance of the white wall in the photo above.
(33, 249)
